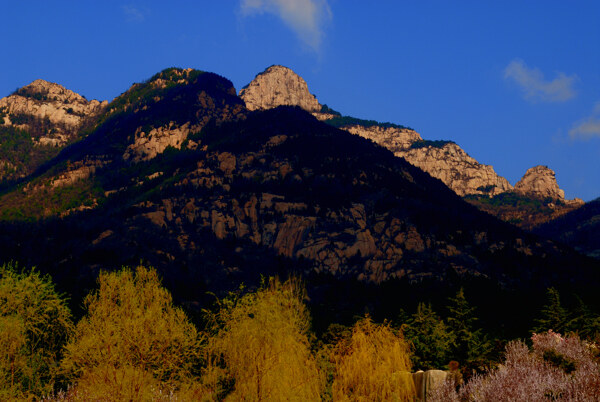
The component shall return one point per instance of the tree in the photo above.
(373, 364)
(131, 327)
(261, 339)
(429, 337)
(35, 324)
(468, 343)
(553, 315)
(584, 322)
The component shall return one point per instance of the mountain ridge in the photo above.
(444, 160)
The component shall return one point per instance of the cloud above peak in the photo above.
(589, 128)
(305, 17)
(536, 87)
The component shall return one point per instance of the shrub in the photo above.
(430, 143)
(373, 364)
(261, 339)
(558, 368)
(344, 121)
(131, 327)
(35, 323)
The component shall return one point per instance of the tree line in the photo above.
(134, 343)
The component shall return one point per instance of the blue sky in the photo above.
(515, 83)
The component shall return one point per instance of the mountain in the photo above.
(578, 229)
(178, 173)
(535, 200)
(541, 198)
(37, 121)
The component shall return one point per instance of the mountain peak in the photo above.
(43, 90)
(540, 182)
(277, 86)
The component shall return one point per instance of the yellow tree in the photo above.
(131, 338)
(373, 364)
(262, 341)
(35, 324)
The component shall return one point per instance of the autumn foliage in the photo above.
(262, 343)
(373, 364)
(35, 323)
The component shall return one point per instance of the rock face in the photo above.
(41, 118)
(449, 163)
(392, 138)
(452, 165)
(277, 86)
(540, 182)
(61, 110)
(147, 145)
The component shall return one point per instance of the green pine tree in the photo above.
(583, 321)
(469, 343)
(429, 337)
(552, 315)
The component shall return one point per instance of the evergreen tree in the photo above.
(583, 321)
(468, 343)
(553, 316)
(430, 339)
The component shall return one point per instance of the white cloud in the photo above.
(535, 87)
(589, 128)
(134, 13)
(304, 17)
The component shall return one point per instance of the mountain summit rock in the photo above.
(540, 182)
(278, 86)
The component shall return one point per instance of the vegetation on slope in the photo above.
(343, 121)
(521, 210)
(578, 228)
(430, 143)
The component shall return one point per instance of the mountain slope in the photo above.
(143, 122)
(444, 160)
(579, 229)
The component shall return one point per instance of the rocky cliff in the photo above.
(277, 86)
(62, 110)
(37, 121)
(443, 160)
(540, 182)
(393, 138)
